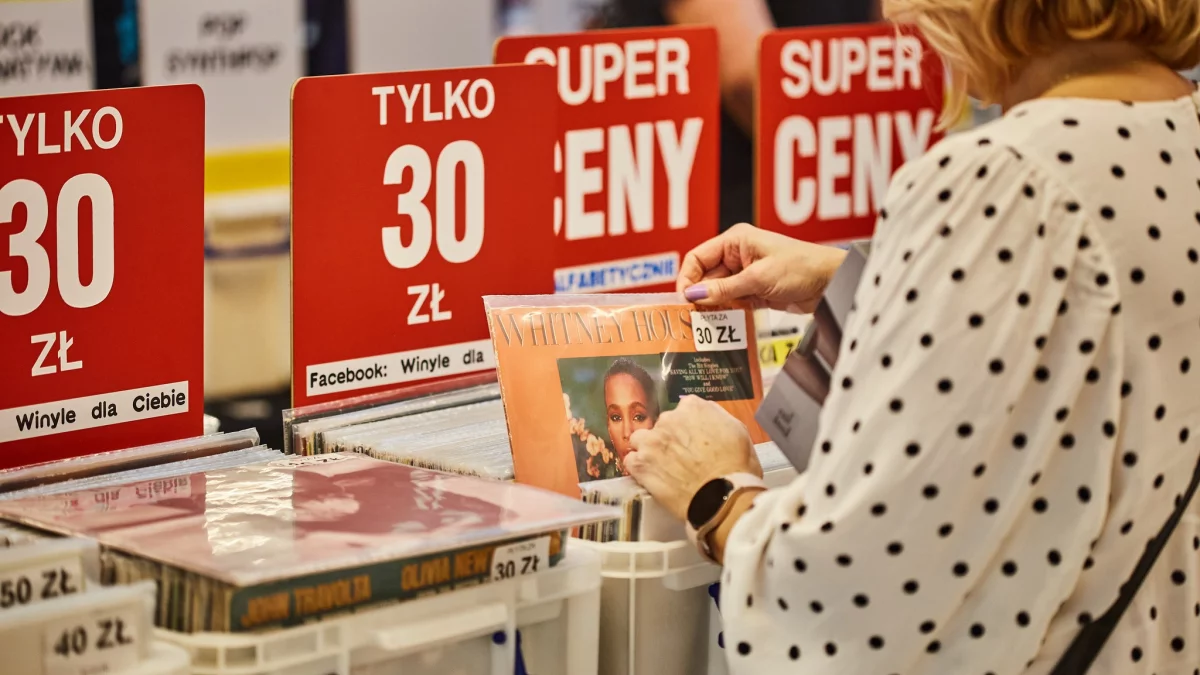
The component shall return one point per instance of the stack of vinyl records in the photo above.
(611, 365)
(282, 542)
(305, 428)
(154, 459)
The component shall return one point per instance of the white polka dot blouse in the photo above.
(1015, 413)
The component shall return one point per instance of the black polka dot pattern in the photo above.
(1011, 413)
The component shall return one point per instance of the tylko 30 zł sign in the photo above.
(101, 271)
(413, 194)
(639, 118)
(839, 110)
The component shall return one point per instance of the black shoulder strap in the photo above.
(1087, 644)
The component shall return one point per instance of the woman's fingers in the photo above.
(703, 260)
(714, 291)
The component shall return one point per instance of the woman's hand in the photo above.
(689, 446)
(769, 269)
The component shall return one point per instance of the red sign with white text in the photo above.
(839, 110)
(637, 158)
(101, 271)
(413, 195)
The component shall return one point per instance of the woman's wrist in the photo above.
(742, 501)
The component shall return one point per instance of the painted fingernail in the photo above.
(694, 293)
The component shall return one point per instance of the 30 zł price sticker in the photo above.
(413, 194)
(839, 110)
(517, 560)
(719, 331)
(101, 271)
(99, 642)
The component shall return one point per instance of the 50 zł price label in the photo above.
(101, 264)
(414, 194)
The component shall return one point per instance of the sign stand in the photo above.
(101, 271)
(413, 194)
(637, 157)
(839, 110)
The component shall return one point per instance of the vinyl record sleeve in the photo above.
(580, 373)
(302, 515)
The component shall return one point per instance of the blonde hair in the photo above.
(986, 42)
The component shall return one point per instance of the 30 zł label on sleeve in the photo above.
(413, 194)
(520, 559)
(101, 271)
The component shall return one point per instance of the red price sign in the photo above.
(839, 110)
(639, 117)
(413, 195)
(101, 271)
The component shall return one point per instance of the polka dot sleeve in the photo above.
(919, 475)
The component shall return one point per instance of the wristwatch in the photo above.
(711, 505)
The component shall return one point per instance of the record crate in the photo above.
(541, 624)
(658, 603)
(658, 615)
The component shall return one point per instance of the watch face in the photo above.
(708, 501)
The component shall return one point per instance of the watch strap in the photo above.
(740, 482)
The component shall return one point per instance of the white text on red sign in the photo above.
(79, 132)
(837, 67)
(645, 69)
(468, 99)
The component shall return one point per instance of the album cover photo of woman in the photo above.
(607, 399)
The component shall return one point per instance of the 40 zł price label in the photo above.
(101, 642)
(413, 195)
(101, 271)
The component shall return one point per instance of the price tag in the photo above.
(719, 331)
(839, 110)
(413, 194)
(637, 157)
(101, 271)
(517, 560)
(45, 47)
(38, 583)
(244, 53)
(98, 642)
(772, 354)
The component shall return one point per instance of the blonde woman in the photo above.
(1017, 401)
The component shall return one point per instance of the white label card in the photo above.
(244, 53)
(38, 583)
(94, 644)
(721, 331)
(517, 560)
(45, 46)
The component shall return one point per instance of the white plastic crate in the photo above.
(164, 659)
(656, 614)
(470, 631)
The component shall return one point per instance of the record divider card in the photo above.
(840, 109)
(101, 271)
(637, 152)
(413, 195)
